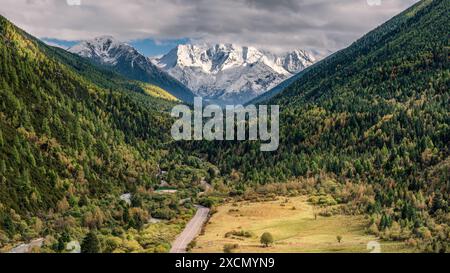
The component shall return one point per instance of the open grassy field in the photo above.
(294, 230)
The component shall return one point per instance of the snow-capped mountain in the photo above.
(228, 73)
(104, 49)
(126, 60)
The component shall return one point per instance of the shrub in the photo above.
(229, 248)
(163, 213)
(207, 202)
(241, 233)
(191, 245)
(323, 200)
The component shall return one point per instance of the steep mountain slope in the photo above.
(276, 90)
(73, 139)
(370, 126)
(127, 61)
(228, 73)
(108, 79)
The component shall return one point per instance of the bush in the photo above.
(241, 233)
(229, 248)
(191, 245)
(206, 202)
(163, 213)
(323, 200)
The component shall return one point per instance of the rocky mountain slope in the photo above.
(228, 73)
(126, 60)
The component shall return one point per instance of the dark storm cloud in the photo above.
(277, 25)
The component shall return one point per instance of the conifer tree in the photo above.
(90, 243)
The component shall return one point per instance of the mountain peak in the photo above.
(104, 49)
(127, 61)
(292, 60)
(218, 71)
(105, 37)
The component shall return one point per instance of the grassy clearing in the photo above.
(294, 230)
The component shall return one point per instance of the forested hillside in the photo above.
(365, 131)
(73, 139)
(370, 125)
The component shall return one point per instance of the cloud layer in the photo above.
(278, 25)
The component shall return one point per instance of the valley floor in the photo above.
(292, 223)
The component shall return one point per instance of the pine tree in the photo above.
(90, 243)
(2, 167)
(8, 224)
(15, 155)
(438, 203)
(2, 141)
(45, 127)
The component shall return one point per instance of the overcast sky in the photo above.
(277, 25)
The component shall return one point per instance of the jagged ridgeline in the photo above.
(110, 54)
(73, 138)
(376, 114)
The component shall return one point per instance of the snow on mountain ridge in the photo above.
(105, 49)
(124, 59)
(231, 73)
(216, 58)
(222, 73)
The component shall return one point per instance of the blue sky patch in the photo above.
(147, 47)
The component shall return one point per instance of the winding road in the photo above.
(191, 230)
